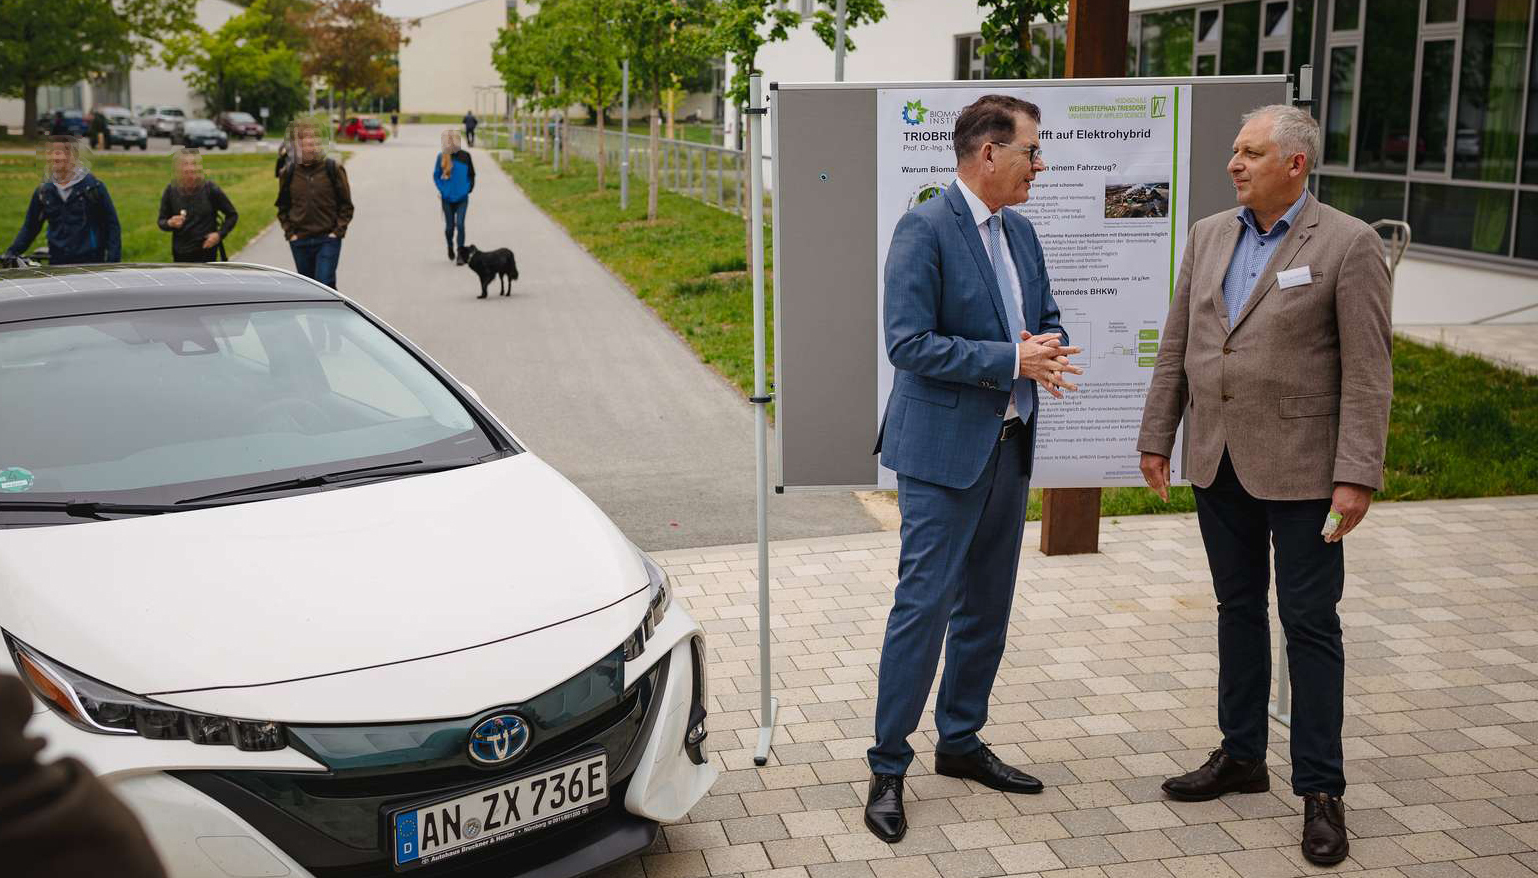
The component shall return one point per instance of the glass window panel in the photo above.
(1441, 11)
(1277, 18)
(1367, 200)
(1347, 14)
(1490, 89)
(1530, 151)
(1040, 66)
(1131, 68)
(1302, 34)
(1527, 226)
(1241, 37)
(1437, 57)
(1274, 61)
(1387, 86)
(1207, 30)
(1461, 217)
(1337, 123)
(1168, 39)
(1207, 65)
(1059, 51)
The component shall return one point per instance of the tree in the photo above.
(856, 13)
(743, 27)
(352, 44)
(1007, 34)
(667, 41)
(586, 48)
(59, 42)
(241, 60)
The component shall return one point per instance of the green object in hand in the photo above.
(1331, 522)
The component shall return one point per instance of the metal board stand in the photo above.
(769, 705)
(1281, 708)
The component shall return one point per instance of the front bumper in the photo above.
(249, 820)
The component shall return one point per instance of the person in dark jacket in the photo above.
(82, 222)
(56, 818)
(59, 126)
(195, 211)
(283, 157)
(470, 123)
(454, 175)
(314, 205)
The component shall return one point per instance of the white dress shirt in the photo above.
(980, 215)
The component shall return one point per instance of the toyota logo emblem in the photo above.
(498, 739)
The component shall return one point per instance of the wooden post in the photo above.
(1097, 47)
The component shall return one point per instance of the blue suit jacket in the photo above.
(948, 338)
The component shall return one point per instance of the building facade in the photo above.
(446, 62)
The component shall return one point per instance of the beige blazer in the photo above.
(1298, 390)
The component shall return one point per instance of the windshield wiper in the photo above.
(96, 509)
(384, 470)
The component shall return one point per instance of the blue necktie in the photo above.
(1024, 402)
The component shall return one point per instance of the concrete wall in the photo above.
(449, 53)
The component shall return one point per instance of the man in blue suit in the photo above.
(972, 329)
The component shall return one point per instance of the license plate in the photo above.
(431, 833)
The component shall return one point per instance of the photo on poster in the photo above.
(1138, 199)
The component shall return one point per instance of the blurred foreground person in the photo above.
(82, 222)
(195, 211)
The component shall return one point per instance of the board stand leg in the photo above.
(1281, 708)
(770, 706)
(766, 732)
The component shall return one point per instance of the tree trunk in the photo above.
(653, 147)
(29, 111)
(602, 153)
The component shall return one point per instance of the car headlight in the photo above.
(93, 706)
(661, 599)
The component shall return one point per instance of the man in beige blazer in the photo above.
(1276, 354)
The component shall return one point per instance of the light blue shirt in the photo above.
(1251, 254)
(1012, 294)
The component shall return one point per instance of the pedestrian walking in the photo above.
(282, 162)
(470, 123)
(1279, 457)
(454, 175)
(58, 127)
(395, 128)
(195, 211)
(314, 205)
(82, 221)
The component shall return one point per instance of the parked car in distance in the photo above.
(201, 133)
(123, 129)
(239, 124)
(159, 120)
(379, 635)
(74, 122)
(361, 128)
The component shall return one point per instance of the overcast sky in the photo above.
(417, 8)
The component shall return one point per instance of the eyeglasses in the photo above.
(1032, 153)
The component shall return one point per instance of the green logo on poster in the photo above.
(1156, 107)
(913, 112)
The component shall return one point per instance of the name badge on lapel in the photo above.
(1294, 277)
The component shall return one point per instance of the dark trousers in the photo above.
(1310, 576)
(469, 137)
(454, 221)
(960, 552)
(210, 254)
(317, 258)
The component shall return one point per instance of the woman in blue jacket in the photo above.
(82, 222)
(454, 174)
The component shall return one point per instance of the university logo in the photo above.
(1156, 106)
(913, 112)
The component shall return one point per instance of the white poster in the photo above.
(1111, 213)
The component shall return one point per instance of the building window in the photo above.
(1436, 94)
(1385, 89)
(1342, 89)
(1049, 51)
(1302, 48)
(1367, 200)
(1461, 217)
(1441, 11)
(1347, 15)
(1490, 90)
(1165, 43)
(970, 61)
(1241, 38)
(1527, 226)
(1530, 150)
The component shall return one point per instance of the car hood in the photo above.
(318, 584)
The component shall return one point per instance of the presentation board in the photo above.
(1130, 164)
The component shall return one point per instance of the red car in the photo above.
(241, 125)
(362, 128)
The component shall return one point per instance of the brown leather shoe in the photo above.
(1324, 829)
(1220, 775)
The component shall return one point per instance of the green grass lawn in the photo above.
(135, 183)
(1461, 427)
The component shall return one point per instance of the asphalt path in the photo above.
(586, 376)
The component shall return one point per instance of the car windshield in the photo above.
(120, 119)
(171, 111)
(165, 405)
(199, 125)
(241, 117)
(370, 123)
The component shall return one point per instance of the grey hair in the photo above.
(1292, 130)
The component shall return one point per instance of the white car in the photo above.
(307, 606)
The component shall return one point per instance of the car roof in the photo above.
(69, 291)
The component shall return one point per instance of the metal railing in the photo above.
(716, 175)
(1395, 242)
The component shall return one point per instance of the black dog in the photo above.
(490, 264)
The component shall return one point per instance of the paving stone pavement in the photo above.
(1107, 686)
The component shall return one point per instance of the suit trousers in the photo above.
(955, 584)
(1310, 576)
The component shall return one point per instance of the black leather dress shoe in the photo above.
(1324, 829)
(987, 769)
(884, 815)
(1220, 775)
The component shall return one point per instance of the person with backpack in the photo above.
(470, 123)
(196, 212)
(454, 175)
(82, 222)
(314, 205)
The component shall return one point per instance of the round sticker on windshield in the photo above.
(14, 479)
